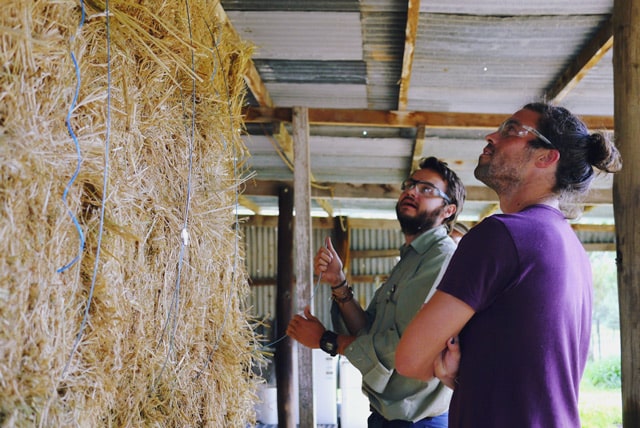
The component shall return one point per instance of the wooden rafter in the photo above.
(391, 191)
(418, 145)
(586, 59)
(397, 119)
(388, 224)
(251, 76)
(411, 32)
(261, 94)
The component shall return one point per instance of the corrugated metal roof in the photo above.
(475, 57)
(519, 7)
(460, 66)
(295, 35)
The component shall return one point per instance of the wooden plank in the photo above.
(626, 188)
(251, 76)
(600, 247)
(385, 224)
(411, 32)
(338, 191)
(302, 244)
(398, 119)
(586, 59)
(256, 85)
(418, 146)
(284, 309)
(265, 282)
(368, 254)
(285, 142)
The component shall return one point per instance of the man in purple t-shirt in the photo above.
(517, 292)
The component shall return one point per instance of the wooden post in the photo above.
(302, 243)
(626, 188)
(284, 309)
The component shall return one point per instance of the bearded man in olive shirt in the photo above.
(427, 208)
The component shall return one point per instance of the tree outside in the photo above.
(600, 391)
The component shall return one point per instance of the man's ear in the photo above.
(547, 158)
(449, 210)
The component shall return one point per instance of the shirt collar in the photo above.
(425, 240)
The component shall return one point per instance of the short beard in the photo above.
(422, 222)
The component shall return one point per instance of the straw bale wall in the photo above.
(147, 327)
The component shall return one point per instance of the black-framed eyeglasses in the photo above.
(425, 188)
(513, 128)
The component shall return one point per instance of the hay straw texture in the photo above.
(167, 342)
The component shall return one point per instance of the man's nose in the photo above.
(491, 138)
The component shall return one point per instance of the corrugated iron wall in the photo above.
(261, 258)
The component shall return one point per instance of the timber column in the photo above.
(626, 203)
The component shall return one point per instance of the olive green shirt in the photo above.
(393, 306)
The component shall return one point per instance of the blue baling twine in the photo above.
(85, 318)
(77, 144)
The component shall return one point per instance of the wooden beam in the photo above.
(368, 254)
(248, 204)
(303, 251)
(256, 85)
(385, 224)
(398, 119)
(375, 279)
(285, 142)
(337, 191)
(251, 76)
(418, 145)
(284, 308)
(411, 32)
(626, 188)
(586, 59)
(601, 246)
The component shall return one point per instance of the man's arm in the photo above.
(308, 330)
(328, 264)
(440, 319)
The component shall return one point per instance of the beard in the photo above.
(502, 174)
(421, 222)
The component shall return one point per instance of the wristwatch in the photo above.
(329, 343)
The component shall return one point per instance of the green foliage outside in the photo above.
(600, 395)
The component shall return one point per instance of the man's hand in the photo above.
(306, 329)
(328, 264)
(446, 365)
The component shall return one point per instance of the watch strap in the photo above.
(329, 343)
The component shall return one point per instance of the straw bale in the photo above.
(166, 340)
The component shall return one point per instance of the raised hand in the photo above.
(328, 264)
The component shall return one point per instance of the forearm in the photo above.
(343, 342)
(351, 312)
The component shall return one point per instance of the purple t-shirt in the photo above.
(523, 352)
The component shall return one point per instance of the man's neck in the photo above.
(517, 203)
(408, 239)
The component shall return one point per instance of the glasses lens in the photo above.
(509, 128)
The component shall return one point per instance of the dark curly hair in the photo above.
(455, 189)
(580, 151)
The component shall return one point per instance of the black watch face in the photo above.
(329, 343)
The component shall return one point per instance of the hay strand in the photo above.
(170, 114)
